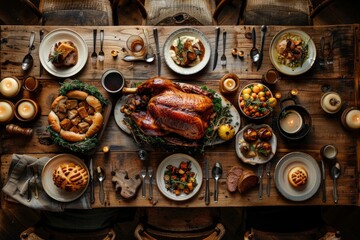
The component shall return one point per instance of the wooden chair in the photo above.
(179, 12)
(179, 224)
(42, 233)
(73, 12)
(94, 224)
(282, 12)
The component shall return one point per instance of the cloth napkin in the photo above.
(20, 172)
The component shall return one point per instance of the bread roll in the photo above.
(233, 177)
(297, 176)
(77, 94)
(72, 136)
(54, 122)
(70, 177)
(94, 102)
(247, 180)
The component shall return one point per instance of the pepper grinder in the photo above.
(15, 129)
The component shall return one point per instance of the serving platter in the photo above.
(297, 159)
(192, 32)
(47, 178)
(308, 61)
(258, 159)
(119, 116)
(175, 160)
(63, 34)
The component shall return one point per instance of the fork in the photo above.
(329, 59)
(321, 57)
(101, 53)
(36, 175)
(150, 173)
(94, 54)
(223, 57)
(143, 176)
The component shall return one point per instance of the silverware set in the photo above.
(223, 56)
(217, 32)
(268, 176)
(145, 172)
(32, 183)
(101, 55)
(260, 171)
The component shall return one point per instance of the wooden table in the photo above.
(326, 129)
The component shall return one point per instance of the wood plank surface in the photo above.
(326, 129)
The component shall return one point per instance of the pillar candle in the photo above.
(9, 87)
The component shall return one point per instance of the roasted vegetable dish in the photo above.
(180, 179)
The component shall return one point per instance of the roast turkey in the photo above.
(160, 107)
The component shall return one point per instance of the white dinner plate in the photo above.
(119, 116)
(187, 32)
(47, 178)
(282, 169)
(175, 160)
(48, 43)
(309, 60)
(257, 159)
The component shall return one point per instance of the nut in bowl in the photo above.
(256, 101)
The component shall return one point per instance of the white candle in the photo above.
(9, 87)
(229, 84)
(26, 110)
(6, 111)
(292, 122)
(353, 119)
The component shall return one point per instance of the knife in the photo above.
(261, 55)
(41, 32)
(259, 174)
(207, 191)
(217, 30)
(268, 170)
(91, 170)
(323, 177)
(156, 37)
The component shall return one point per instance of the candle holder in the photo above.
(7, 110)
(350, 118)
(272, 76)
(331, 102)
(306, 121)
(32, 85)
(229, 83)
(10, 87)
(26, 110)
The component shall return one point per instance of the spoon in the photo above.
(148, 58)
(101, 177)
(28, 59)
(254, 52)
(335, 173)
(217, 173)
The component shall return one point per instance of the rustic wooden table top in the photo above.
(326, 129)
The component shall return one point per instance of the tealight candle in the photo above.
(352, 119)
(6, 111)
(26, 110)
(229, 84)
(9, 87)
(292, 122)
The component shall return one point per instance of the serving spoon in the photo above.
(254, 52)
(101, 177)
(335, 174)
(28, 59)
(216, 173)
